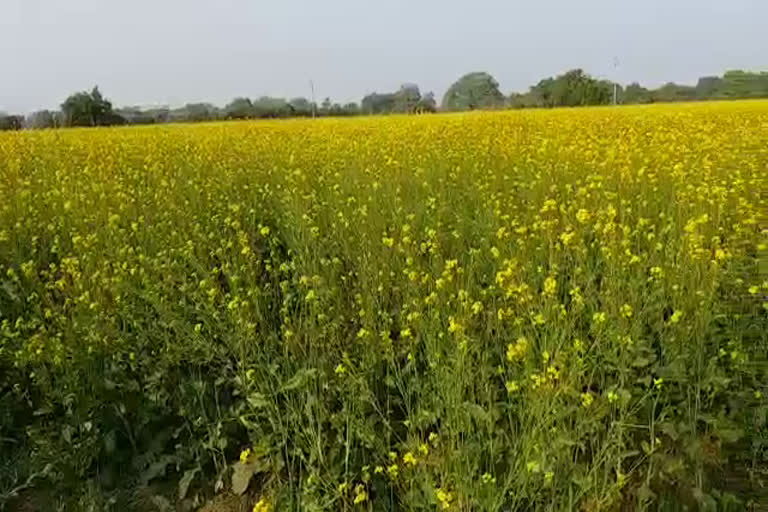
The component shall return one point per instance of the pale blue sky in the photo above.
(174, 51)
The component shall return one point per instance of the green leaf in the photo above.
(730, 435)
(242, 474)
(161, 503)
(299, 380)
(157, 468)
(258, 400)
(645, 381)
(645, 494)
(185, 481)
(641, 362)
(476, 412)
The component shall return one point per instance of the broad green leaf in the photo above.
(185, 481)
(299, 380)
(243, 471)
(257, 400)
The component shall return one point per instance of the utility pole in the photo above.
(314, 103)
(615, 83)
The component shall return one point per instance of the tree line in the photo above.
(473, 91)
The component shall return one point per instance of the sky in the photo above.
(169, 52)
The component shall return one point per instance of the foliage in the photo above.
(473, 91)
(88, 109)
(406, 100)
(137, 115)
(575, 88)
(707, 86)
(11, 122)
(742, 84)
(376, 103)
(302, 107)
(239, 108)
(41, 119)
(560, 310)
(266, 107)
(571, 89)
(635, 93)
(195, 112)
(673, 92)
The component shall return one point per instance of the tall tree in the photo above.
(268, 107)
(743, 84)
(239, 108)
(40, 119)
(195, 112)
(427, 103)
(407, 98)
(351, 109)
(88, 109)
(674, 92)
(635, 93)
(11, 122)
(301, 106)
(473, 91)
(571, 89)
(376, 103)
(708, 86)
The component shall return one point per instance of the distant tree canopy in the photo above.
(571, 89)
(302, 107)
(376, 103)
(268, 107)
(406, 100)
(473, 91)
(635, 93)
(137, 115)
(741, 84)
(239, 108)
(88, 109)
(41, 119)
(194, 112)
(576, 88)
(674, 92)
(478, 90)
(10, 123)
(707, 86)
(732, 85)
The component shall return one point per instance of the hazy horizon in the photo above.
(174, 52)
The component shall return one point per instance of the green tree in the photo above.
(427, 103)
(89, 109)
(376, 103)
(636, 93)
(674, 92)
(194, 112)
(407, 98)
(529, 99)
(708, 87)
(301, 107)
(473, 91)
(571, 89)
(325, 107)
(239, 108)
(351, 109)
(268, 107)
(40, 120)
(10, 123)
(743, 84)
(137, 115)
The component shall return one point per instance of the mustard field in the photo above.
(529, 310)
